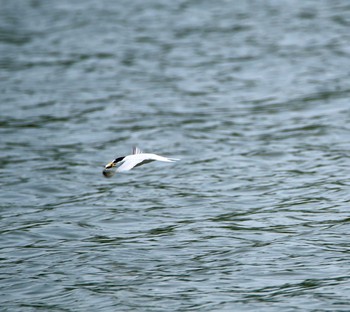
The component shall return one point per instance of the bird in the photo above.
(137, 158)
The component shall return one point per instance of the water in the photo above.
(253, 96)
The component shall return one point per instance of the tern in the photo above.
(137, 158)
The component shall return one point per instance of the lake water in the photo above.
(253, 96)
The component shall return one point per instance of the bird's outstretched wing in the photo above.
(136, 150)
(135, 160)
(132, 161)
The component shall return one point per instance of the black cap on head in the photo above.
(118, 159)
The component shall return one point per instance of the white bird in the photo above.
(137, 158)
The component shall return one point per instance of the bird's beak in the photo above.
(110, 165)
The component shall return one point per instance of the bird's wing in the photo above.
(136, 150)
(135, 160)
(132, 161)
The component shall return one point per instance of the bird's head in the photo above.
(108, 172)
(114, 163)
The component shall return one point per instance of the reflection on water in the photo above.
(253, 97)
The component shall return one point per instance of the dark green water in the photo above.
(253, 96)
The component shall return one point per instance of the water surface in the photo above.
(252, 96)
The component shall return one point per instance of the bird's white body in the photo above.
(132, 161)
(129, 162)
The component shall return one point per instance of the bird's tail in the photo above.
(170, 159)
(166, 159)
(174, 159)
